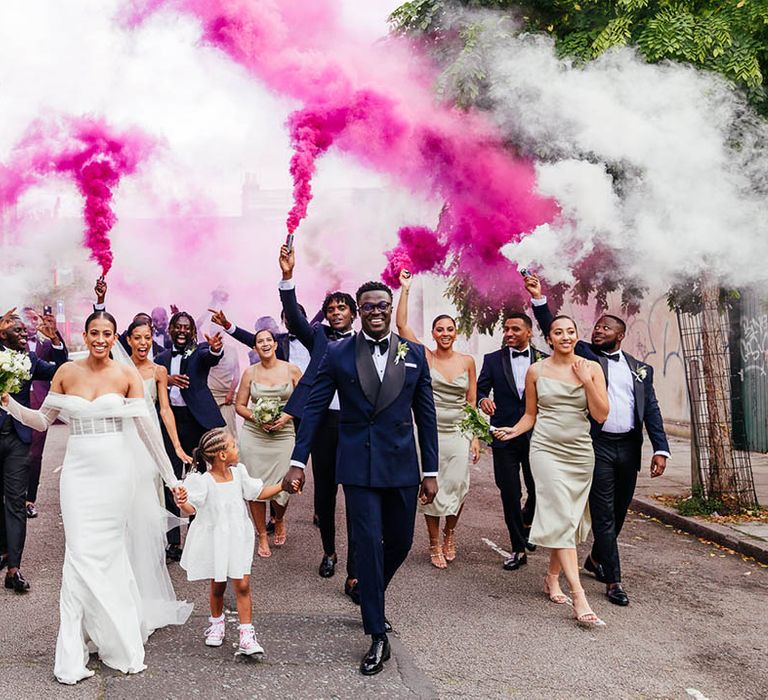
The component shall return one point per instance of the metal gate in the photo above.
(752, 343)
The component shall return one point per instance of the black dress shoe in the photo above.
(617, 595)
(595, 569)
(327, 566)
(387, 626)
(31, 510)
(173, 552)
(530, 547)
(17, 582)
(517, 560)
(271, 527)
(351, 589)
(373, 661)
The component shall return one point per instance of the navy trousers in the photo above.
(381, 523)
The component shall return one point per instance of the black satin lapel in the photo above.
(506, 364)
(639, 387)
(394, 377)
(604, 364)
(366, 370)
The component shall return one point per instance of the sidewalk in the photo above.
(749, 538)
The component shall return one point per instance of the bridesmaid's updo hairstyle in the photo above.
(442, 317)
(265, 330)
(138, 324)
(100, 314)
(212, 442)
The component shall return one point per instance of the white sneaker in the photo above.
(248, 643)
(214, 635)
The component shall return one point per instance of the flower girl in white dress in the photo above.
(221, 538)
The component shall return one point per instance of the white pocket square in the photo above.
(411, 364)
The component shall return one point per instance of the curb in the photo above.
(720, 534)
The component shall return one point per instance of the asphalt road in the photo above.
(696, 626)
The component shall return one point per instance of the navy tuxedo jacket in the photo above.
(496, 375)
(40, 371)
(377, 446)
(198, 397)
(647, 410)
(40, 387)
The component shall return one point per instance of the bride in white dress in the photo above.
(108, 603)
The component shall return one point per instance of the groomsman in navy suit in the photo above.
(503, 375)
(15, 442)
(383, 385)
(194, 408)
(618, 442)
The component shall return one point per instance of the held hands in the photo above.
(533, 285)
(293, 481)
(101, 290)
(488, 407)
(215, 341)
(220, 319)
(405, 280)
(504, 434)
(180, 495)
(428, 490)
(583, 370)
(287, 262)
(658, 465)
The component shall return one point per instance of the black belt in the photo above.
(617, 436)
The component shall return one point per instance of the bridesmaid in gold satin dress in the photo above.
(454, 385)
(562, 392)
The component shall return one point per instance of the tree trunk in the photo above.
(721, 481)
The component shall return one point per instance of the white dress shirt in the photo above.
(520, 366)
(621, 396)
(175, 393)
(379, 358)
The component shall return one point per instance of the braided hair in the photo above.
(212, 442)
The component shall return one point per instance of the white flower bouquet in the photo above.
(266, 410)
(15, 369)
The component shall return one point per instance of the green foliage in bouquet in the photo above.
(475, 425)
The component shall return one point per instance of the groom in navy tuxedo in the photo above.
(618, 442)
(383, 384)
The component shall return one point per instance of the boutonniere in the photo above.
(188, 352)
(402, 351)
(640, 373)
(537, 355)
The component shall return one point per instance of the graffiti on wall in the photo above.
(653, 337)
(754, 343)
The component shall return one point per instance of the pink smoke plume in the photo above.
(376, 103)
(90, 153)
(419, 249)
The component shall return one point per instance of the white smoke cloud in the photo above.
(641, 157)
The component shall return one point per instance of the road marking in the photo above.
(496, 548)
(696, 694)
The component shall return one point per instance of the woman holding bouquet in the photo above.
(454, 384)
(267, 437)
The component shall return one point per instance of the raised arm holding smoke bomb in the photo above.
(339, 311)
(454, 384)
(618, 441)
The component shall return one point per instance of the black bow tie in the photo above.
(615, 356)
(340, 335)
(520, 353)
(291, 337)
(176, 353)
(383, 345)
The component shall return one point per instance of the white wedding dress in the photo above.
(115, 588)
